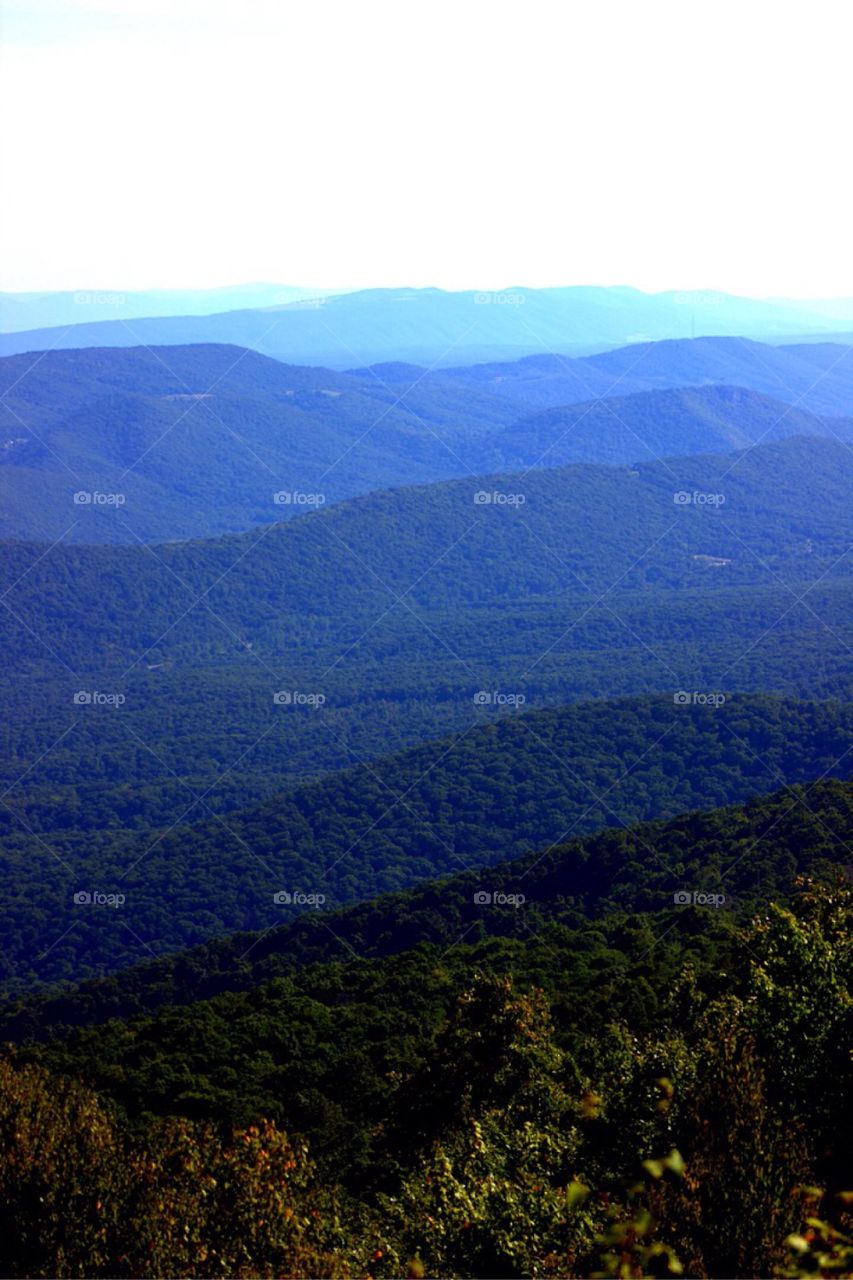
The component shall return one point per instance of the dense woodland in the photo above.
(496, 791)
(399, 608)
(611, 1088)
(196, 440)
(465, 864)
(775, 512)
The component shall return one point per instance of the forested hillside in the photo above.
(492, 792)
(196, 441)
(426, 749)
(774, 513)
(412, 614)
(749, 853)
(652, 424)
(360, 830)
(815, 376)
(153, 444)
(527, 1090)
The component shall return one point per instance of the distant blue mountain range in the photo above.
(426, 326)
(197, 440)
(41, 310)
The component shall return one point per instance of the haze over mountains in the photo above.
(776, 512)
(39, 310)
(815, 376)
(385, 618)
(438, 328)
(198, 441)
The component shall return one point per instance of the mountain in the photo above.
(197, 441)
(749, 852)
(467, 1076)
(85, 306)
(395, 831)
(774, 512)
(816, 376)
(490, 793)
(438, 328)
(137, 680)
(652, 424)
(588, 877)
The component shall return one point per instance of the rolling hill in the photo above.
(529, 1043)
(494, 791)
(776, 512)
(749, 852)
(196, 441)
(397, 609)
(293, 831)
(817, 376)
(652, 424)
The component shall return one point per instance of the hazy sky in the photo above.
(466, 144)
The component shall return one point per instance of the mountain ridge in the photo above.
(523, 782)
(427, 324)
(573, 883)
(199, 441)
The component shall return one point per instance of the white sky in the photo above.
(470, 144)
